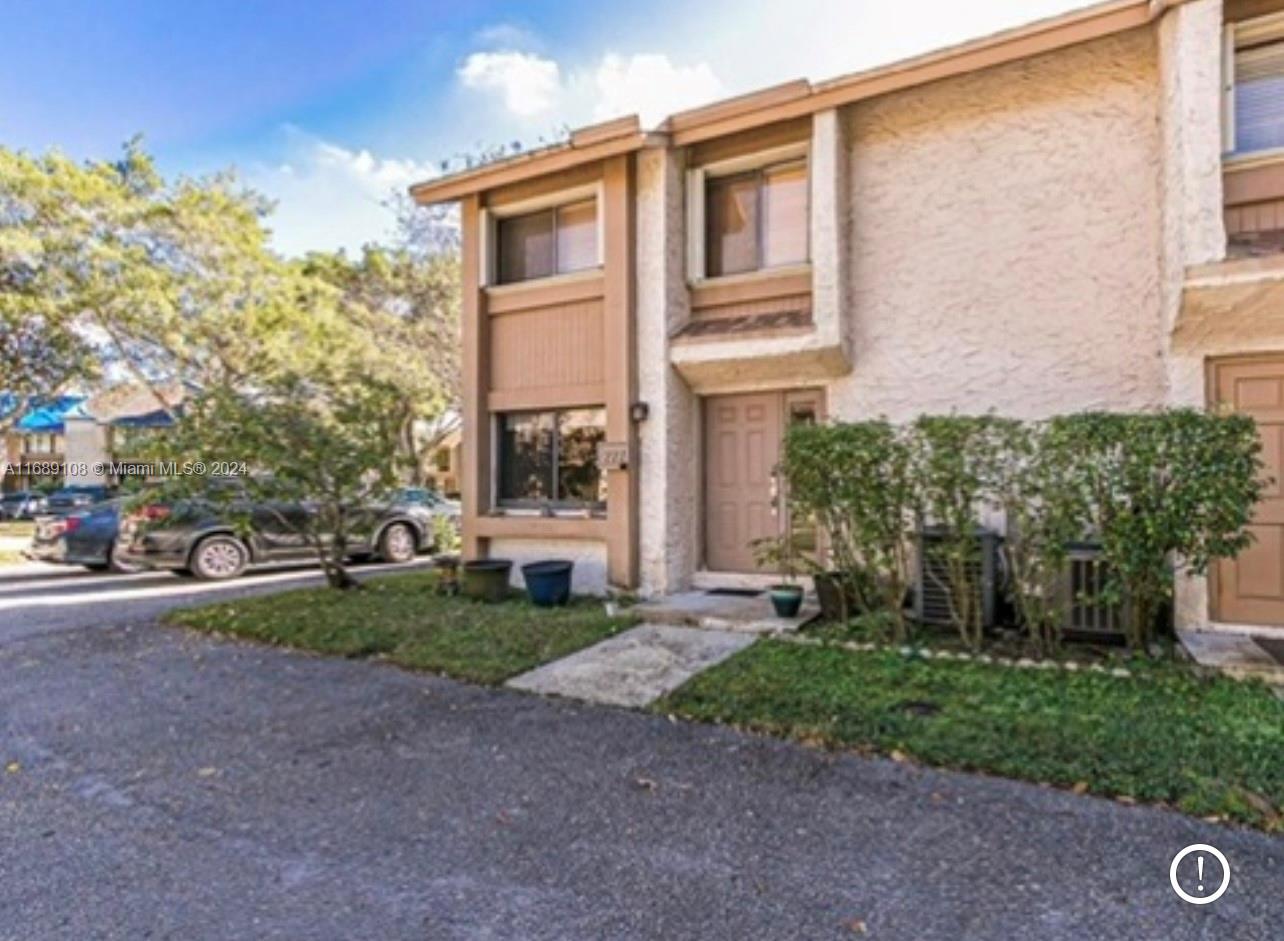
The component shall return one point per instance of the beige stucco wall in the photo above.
(587, 578)
(85, 445)
(669, 449)
(1193, 233)
(1004, 238)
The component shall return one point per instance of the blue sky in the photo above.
(329, 105)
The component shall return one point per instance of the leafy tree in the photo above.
(407, 305)
(104, 263)
(315, 373)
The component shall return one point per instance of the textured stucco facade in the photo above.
(588, 576)
(669, 443)
(1004, 232)
(1033, 231)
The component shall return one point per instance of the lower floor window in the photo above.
(550, 458)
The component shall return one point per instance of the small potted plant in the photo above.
(778, 552)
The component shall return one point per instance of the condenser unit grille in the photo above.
(933, 589)
(1086, 612)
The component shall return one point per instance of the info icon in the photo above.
(1199, 874)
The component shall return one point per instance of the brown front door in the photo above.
(743, 435)
(1250, 588)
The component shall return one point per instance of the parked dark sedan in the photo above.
(197, 538)
(69, 499)
(83, 537)
(22, 505)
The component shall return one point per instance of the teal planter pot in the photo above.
(786, 600)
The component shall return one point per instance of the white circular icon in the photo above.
(1200, 899)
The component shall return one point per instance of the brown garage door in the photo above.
(1250, 589)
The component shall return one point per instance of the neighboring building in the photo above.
(38, 439)
(79, 432)
(447, 463)
(1079, 214)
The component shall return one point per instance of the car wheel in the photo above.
(219, 557)
(397, 543)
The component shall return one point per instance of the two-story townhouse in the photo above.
(1082, 213)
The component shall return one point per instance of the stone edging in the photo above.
(1024, 663)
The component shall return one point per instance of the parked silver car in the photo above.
(22, 505)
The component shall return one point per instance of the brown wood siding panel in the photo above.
(748, 308)
(1254, 199)
(544, 185)
(542, 527)
(1257, 217)
(621, 367)
(547, 347)
(508, 300)
(751, 141)
(475, 430)
(1236, 10)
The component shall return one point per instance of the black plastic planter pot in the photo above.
(486, 579)
(786, 599)
(829, 592)
(548, 583)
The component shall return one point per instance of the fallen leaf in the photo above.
(857, 926)
(1126, 799)
(206, 772)
(898, 755)
(13, 767)
(1080, 787)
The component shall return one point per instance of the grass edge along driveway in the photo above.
(403, 620)
(1210, 747)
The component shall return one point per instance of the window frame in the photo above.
(759, 163)
(504, 505)
(490, 216)
(1259, 29)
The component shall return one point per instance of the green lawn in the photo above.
(403, 619)
(1207, 747)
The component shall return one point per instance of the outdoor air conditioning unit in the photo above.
(1083, 581)
(931, 590)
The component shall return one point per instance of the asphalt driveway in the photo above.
(170, 785)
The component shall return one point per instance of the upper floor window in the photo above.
(557, 240)
(40, 444)
(749, 212)
(756, 219)
(1255, 87)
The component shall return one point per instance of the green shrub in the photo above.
(1160, 491)
(856, 480)
(1163, 490)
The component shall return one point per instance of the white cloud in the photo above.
(650, 85)
(530, 84)
(329, 196)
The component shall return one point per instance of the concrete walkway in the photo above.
(683, 634)
(634, 668)
(1241, 655)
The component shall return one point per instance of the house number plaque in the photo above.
(613, 455)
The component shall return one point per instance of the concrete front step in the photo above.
(634, 668)
(1235, 654)
(724, 612)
